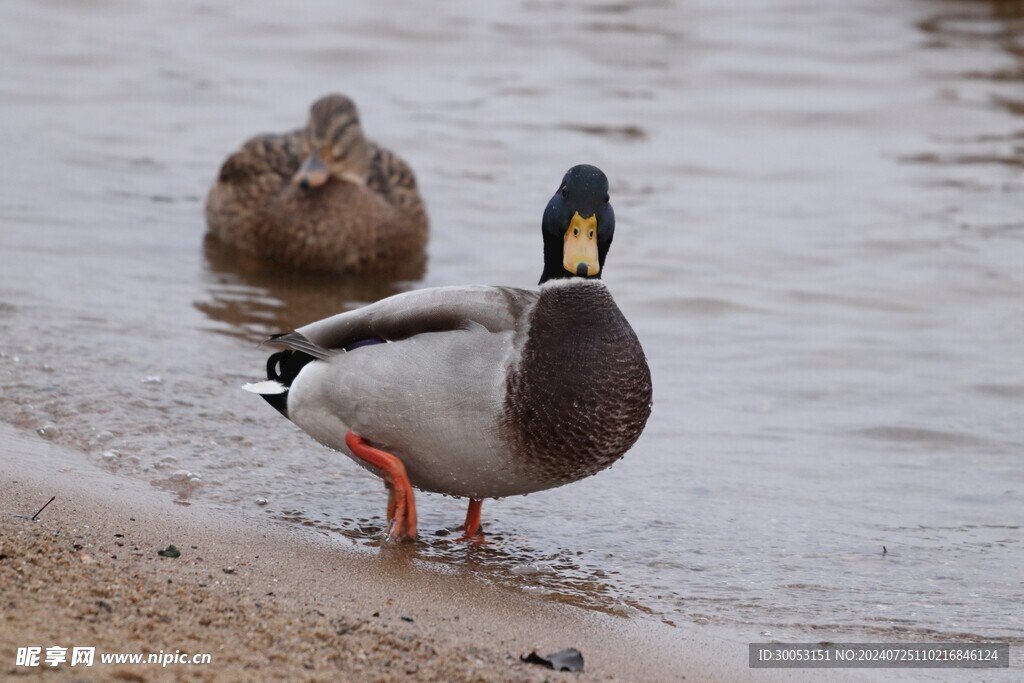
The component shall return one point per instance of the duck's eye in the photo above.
(575, 232)
(590, 235)
(564, 191)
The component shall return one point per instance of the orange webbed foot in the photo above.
(471, 529)
(401, 501)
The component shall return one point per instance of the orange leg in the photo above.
(472, 526)
(401, 503)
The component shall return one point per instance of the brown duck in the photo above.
(321, 198)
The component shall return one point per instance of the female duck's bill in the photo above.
(478, 391)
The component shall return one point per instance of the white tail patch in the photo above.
(266, 387)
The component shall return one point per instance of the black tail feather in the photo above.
(284, 367)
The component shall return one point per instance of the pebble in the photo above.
(49, 431)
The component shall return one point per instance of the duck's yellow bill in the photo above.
(579, 249)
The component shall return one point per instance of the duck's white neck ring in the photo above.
(556, 283)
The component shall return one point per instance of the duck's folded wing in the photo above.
(421, 311)
(277, 155)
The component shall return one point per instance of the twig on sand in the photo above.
(36, 516)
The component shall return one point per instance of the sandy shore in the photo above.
(266, 604)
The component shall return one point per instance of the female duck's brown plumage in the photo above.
(321, 198)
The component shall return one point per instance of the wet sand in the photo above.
(270, 604)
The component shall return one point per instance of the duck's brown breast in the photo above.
(581, 392)
(341, 227)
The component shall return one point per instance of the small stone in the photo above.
(228, 570)
(569, 659)
(261, 501)
(49, 431)
(153, 379)
(169, 551)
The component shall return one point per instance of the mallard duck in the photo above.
(477, 391)
(320, 198)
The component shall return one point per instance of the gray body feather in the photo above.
(433, 395)
(462, 395)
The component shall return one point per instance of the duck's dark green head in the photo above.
(578, 226)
